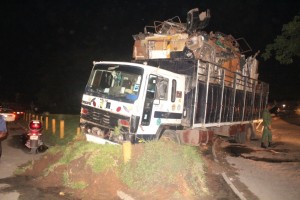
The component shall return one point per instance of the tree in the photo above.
(287, 45)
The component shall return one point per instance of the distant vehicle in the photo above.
(19, 114)
(274, 110)
(8, 114)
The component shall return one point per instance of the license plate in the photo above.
(34, 137)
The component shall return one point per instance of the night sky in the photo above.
(47, 47)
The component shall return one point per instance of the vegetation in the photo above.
(165, 161)
(106, 157)
(20, 170)
(74, 185)
(153, 164)
(287, 45)
(71, 123)
(71, 152)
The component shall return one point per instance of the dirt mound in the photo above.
(107, 185)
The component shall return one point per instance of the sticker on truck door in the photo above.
(136, 87)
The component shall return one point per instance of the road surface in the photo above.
(14, 154)
(272, 173)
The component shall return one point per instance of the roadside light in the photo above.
(283, 105)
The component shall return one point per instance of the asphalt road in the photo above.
(14, 154)
(272, 173)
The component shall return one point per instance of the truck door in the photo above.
(150, 97)
(163, 102)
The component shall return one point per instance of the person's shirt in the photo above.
(2, 124)
(266, 118)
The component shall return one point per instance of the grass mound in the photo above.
(164, 164)
(158, 166)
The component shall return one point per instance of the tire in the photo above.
(170, 135)
(42, 148)
(33, 150)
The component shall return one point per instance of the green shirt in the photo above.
(266, 118)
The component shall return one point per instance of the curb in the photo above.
(124, 196)
(231, 185)
(225, 177)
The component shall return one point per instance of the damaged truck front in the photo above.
(183, 84)
(120, 99)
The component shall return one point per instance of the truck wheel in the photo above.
(170, 135)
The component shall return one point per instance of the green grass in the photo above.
(71, 123)
(99, 157)
(195, 166)
(71, 152)
(106, 157)
(80, 185)
(158, 163)
(21, 169)
(161, 164)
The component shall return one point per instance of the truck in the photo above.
(183, 84)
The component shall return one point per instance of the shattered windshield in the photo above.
(117, 82)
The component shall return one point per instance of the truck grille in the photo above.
(102, 118)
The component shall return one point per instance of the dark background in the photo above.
(47, 47)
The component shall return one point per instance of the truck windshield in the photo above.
(117, 82)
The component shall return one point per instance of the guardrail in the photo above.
(55, 125)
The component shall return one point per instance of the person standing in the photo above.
(266, 140)
(3, 132)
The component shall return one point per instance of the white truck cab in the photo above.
(123, 100)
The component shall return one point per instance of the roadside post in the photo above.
(47, 125)
(62, 129)
(53, 126)
(127, 151)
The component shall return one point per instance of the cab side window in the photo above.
(162, 88)
(151, 87)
